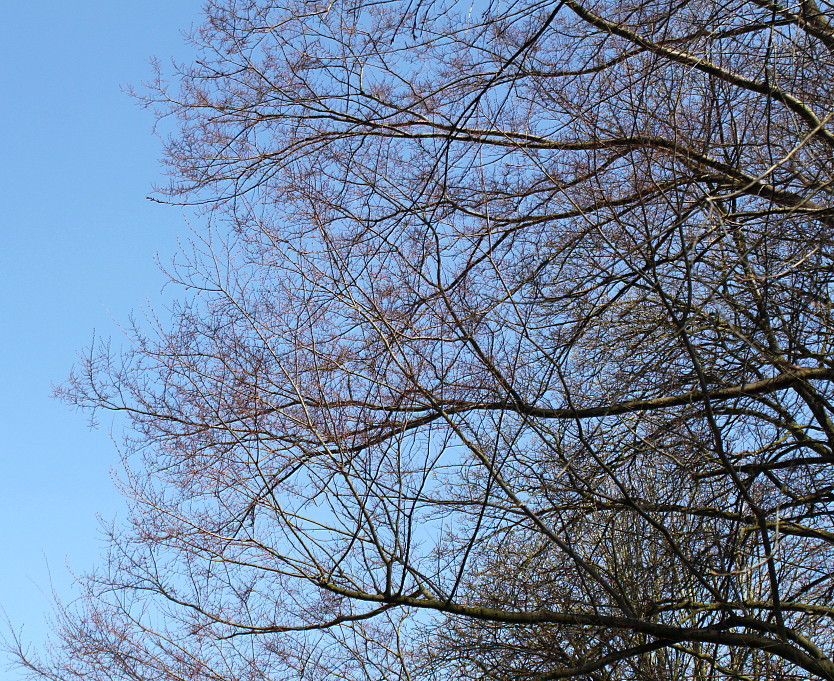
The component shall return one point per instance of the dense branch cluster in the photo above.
(507, 353)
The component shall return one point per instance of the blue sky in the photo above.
(78, 245)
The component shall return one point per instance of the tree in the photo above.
(505, 352)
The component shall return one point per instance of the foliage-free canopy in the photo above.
(505, 352)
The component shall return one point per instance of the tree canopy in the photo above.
(505, 351)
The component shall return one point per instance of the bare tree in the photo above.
(505, 353)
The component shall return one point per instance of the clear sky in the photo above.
(78, 243)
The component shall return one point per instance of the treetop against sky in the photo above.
(501, 350)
